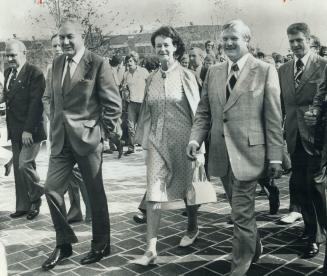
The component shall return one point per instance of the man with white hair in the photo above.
(23, 89)
(240, 104)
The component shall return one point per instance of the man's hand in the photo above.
(27, 139)
(275, 170)
(310, 117)
(191, 151)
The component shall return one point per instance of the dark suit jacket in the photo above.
(91, 107)
(24, 104)
(296, 101)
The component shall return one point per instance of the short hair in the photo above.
(169, 31)
(21, 45)
(185, 56)
(278, 58)
(209, 42)
(78, 25)
(133, 55)
(240, 26)
(315, 41)
(261, 54)
(199, 51)
(116, 60)
(296, 28)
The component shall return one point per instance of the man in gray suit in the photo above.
(85, 103)
(240, 105)
(299, 79)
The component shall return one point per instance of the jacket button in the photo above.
(223, 135)
(225, 120)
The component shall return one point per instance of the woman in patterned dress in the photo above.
(164, 126)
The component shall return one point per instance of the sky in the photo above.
(268, 19)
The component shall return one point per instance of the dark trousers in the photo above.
(311, 195)
(60, 170)
(75, 185)
(27, 179)
(133, 115)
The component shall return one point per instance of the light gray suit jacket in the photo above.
(246, 130)
(297, 100)
(91, 107)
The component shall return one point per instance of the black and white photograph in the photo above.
(163, 138)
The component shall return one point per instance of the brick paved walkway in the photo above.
(29, 242)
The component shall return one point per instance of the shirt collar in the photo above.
(303, 59)
(240, 63)
(78, 56)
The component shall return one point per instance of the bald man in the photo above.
(23, 90)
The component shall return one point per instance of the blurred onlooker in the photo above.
(220, 57)
(133, 84)
(279, 60)
(209, 60)
(185, 60)
(289, 57)
(151, 63)
(261, 55)
(209, 46)
(196, 56)
(323, 51)
(315, 44)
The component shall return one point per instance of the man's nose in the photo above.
(66, 40)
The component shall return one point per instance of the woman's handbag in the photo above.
(201, 190)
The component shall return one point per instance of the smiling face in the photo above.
(164, 49)
(299, 43)
(16, 57)
(131, 64)
(234, 43)
(70, 36)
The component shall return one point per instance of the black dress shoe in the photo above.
(230, 220)
(140, 218)
(60, 253)
(34, 210)
(18, 214)
(311, 250)
(96, 255)
(274, 202)
(74, 220)
(129, 151)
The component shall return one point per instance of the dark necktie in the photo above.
(12, 78)
(232, 80)
(67, 79)
(299, 72)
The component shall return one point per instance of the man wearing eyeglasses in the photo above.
(23, 89)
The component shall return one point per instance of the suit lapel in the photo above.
(243, 83)
(19, 79)
(81, 70)
(289, 75)
(311, 67)
(58, 71)
(220, 80)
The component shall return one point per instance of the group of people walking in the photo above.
(236, 109)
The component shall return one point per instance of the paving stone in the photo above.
(219, 266)
(16, 269)
(202, 271)
(171, 269)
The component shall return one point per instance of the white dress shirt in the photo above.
(73, 64)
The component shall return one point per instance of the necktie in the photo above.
(67, 79)
(232, 80)
(12, 79)
(299, 71)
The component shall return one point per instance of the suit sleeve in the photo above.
(272, 116)
(320, 96)
(202, 120)
(47, 93)
(35, 108)
(109, 97)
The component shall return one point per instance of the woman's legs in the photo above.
(153, 223)
(192, 219)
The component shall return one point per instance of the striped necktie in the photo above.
(12, 78)
(232, 80)
(67, 79)
(299, 72)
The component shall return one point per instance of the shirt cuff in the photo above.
(194, 143)
(275, 162)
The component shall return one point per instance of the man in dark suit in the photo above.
(23, 90)
(299, 79)
(85, 103)
(240, 105)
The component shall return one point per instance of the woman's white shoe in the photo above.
(148, 258)
(187, 241)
